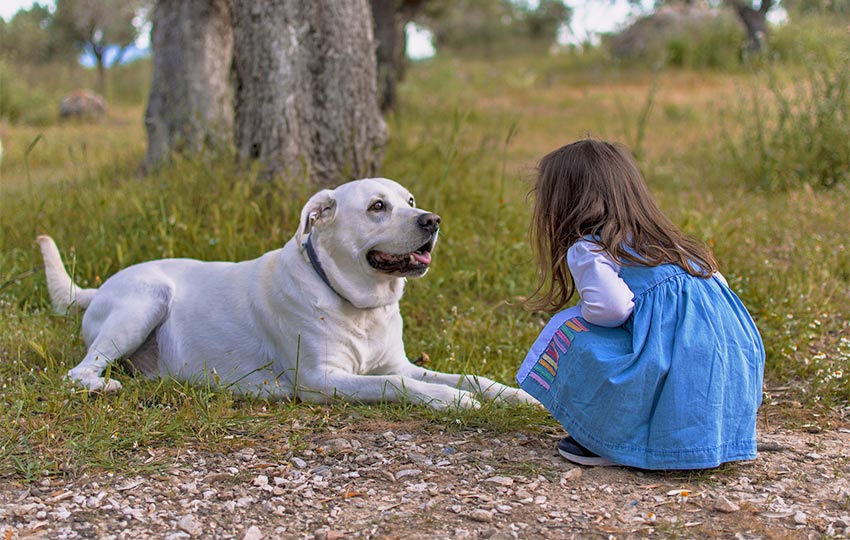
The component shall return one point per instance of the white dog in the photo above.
(318, 319)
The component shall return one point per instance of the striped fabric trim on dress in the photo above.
(547, 364)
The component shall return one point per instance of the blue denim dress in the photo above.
(677, 386)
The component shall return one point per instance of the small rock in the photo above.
(777, 515)
(504, 534)
(722, 504)
(261, 481)
(418, 459)
(188, 524)
(82, 104)
(62, 513)
(501, 480)
(253, 533)
(328, 534)
(339, 443)
(22, 510)
(571, 475)
(484, 454)
(407, 472)
(800, 518)
(321, 470)
(244, 502)
(479, 514)
(299, 463)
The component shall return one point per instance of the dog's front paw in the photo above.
(517, 396)
(457, 400)
(466, 401)
(92, 382)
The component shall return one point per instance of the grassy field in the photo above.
(465, 141)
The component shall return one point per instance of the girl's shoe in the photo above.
(571, 450)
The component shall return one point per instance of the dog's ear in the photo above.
(320, 209)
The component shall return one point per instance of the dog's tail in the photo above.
(64, 293)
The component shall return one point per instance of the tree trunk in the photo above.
(101, 75)
(754, 20)
(305, 88)
(190, 103)
(390, 18)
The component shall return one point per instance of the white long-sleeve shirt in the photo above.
(606, 300)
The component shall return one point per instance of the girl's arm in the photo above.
(606, 300)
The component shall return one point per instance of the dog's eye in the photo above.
(411, 202)
(377, 206)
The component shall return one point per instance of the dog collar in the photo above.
(317, 266)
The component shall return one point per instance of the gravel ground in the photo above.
(414, 481)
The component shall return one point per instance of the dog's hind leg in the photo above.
(118, 327)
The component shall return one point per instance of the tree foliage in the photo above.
(493, 25)
(95, 25)
(752, 14)
(826, 7)
(30, 37)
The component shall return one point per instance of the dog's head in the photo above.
(368, 234)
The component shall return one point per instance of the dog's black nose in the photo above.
(430, 222)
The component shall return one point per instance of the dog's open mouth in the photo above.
(403, 264)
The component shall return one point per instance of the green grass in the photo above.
(465, 142)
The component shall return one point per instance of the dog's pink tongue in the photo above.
(423, 258)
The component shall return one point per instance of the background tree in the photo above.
(752, 17)
(493, 26)
(754, 21)
(190, 102)
(390, 18)
(305, 93)
(95, 25)
(544, 21)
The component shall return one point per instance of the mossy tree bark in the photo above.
(390, 18)
(190, 103)
(305, 97)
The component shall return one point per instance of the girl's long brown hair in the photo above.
(594, 189)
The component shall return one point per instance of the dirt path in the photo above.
(413, 481)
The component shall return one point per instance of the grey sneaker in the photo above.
(571, 450)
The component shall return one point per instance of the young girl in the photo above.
(659, 366)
